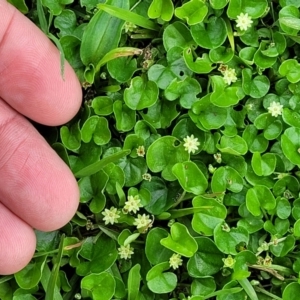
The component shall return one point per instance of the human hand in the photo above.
(37, 190)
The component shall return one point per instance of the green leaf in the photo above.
(123, 13)
(235, 145)
(155, 252)
(125, 117)
(126, 64)
(218, 4)
(289, 19)
(30, 276)
(102, 105)
(97, 166)
(97, 39)
(71, 136)
(163, 154)
(210, 35)
(177, 34)
(133, 168)
(20, 5)
(6, 292)
(263, 165)
(161, 282)
(248, 288)
(190, 177)
(50, 292)
(96, 128)
(100, 255)
(291, 291)
(92, 188)
(117, 53)
(254, 8)
(283, 248)
(291, 117)
(98, 286)
(161, 114)
(203, 286)
(227, 239)
(290, 144)
(201, 65)
(209, 115)
(206, 261)
(291, 69)
(134, 279)
(221, 55)
(141, 93)
(56, 6)
(66, 23)
(180, 241)
(161, 197)
(87, 154)
(193, 11)
(186, 90)
(259, 197)
(256, 87)
(262, 56)
(161, 9)
(226, 178)
(176, 68)
(223, 95)
(205, 221)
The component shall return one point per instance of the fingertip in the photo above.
(31, 78)
(17, 243)
(62, 203)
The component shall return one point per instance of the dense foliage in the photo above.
(186, 151)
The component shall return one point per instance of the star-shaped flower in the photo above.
(111, 215)
(243, 21)
(175, 261)
(125, 251)
(191, 144)
(132, 204)
(275, 109)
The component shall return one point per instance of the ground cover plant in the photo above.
(186, 151)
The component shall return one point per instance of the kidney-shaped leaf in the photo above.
(190, 177)
(163, 154)
(180, 241)
(207, 260)
(259, 197)
(227, 239)
(141, 93)
(290, 144)
(100, 286)
(205, 221)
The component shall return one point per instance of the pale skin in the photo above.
(37, 190)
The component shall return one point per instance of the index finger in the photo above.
(30, 76)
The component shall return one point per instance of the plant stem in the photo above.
(263, 291)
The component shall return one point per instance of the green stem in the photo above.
(263, 291)
(179, 200)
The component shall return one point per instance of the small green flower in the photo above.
(243, 21)
(147, 177)
(175, 261)
(140, 151)
(229, 76)
(191, 144)
(126, 251)
(129, 27)
(218, 157)
(229, 262)
(132, 204)
(111, 215)
(275, 109)
(142, 221)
